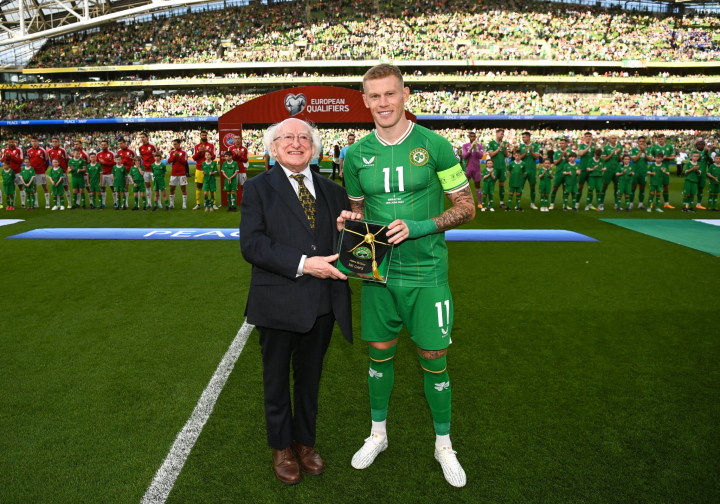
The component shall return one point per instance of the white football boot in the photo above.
(374, 446)
(452, 470)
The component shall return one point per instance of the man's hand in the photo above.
(398, 231)
(347, 215)
(320, 267)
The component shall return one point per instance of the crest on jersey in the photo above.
(362, 253)
(419, 156)
(295, 103)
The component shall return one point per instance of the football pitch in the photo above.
(581, 372)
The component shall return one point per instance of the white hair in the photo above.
(272, 130)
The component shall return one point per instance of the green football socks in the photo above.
(438, 392)
(502, 195)
(532, 195)
(381, 378)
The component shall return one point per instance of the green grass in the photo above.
(582, 372)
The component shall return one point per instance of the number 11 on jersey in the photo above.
(401, 182)
(438, 305)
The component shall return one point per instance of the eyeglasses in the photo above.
(289, 138)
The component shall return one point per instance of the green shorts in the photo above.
(608, 176)
(557, 180)
(30, 188)
(488, 186)
(703, 181)
(665, 179)
(159, 184)
(531, 178)
(639, 178)
(95, 186)
(427, 312)
(582, 178)
(595, 183)
(78, 183)
(500, 174)
(656, 188)
(714, 187)
(58, 190)
(119, 185)
(690, 188)
(209, 184)
(624, 187)
(8, 189)
(140, 187)
(515, 189)
(545, 185)
(231, 185)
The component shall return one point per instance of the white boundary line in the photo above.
(164, 479)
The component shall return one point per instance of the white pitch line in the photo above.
(164, 480)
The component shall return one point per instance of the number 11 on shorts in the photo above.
(438, 305)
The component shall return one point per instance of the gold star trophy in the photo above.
(364, 251)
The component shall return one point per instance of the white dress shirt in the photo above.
(308, 181)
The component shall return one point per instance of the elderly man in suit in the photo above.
(289, 233)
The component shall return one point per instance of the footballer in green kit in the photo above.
(690, 187)
(656, 171)
(586, 151)
(668, 154)
(498, 151)
(713, 174)
(516, 174)
(28, 177)
(57, 178)
(400, 175)
(639, 156)
(8, 185)
(545, 177)
(624, 176)
(119, 181)
(596, 171)
(94, 170)
(209, 170)
(76, 166)
(560, 160)
(705, 159)
(612, 153)
(231, 172)
(158, 174)
(488, 185)
(137, 175)
(530, 153)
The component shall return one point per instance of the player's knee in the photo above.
(382, 354)
(433, 361)
(432, 354)
(383, 345)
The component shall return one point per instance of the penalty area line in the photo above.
(164, 480)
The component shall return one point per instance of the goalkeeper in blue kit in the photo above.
(399, 176)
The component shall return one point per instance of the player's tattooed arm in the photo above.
(358, 207)
(462, 211)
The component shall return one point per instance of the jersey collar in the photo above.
(399, 140)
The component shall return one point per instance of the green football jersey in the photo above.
(585, 158)
(695, 175)
(208, 168)
(230, 168)
(119, 173)
(560, 167)
(500, 159)
(137, 174)
(614, 152)
(56, 175)
(515, 174)
(407, 180)
(94, 171)
(545, 173)
(27, 173)
(158, 170)
(529, 161)
(667, 150)
(596, 165)
(714, 170)
(74, 165)
(487, 171)
(658, 171)
(572, 168)
(624, 173)
(8, 177)
(703, 162)
(639, 166)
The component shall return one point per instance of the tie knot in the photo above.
(299, 178)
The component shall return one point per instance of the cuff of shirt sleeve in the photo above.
(299, 272)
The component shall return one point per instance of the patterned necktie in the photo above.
(307, 200)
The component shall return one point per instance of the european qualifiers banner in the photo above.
(183, 234)
(327, 106)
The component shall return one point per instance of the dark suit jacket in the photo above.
(274, 234)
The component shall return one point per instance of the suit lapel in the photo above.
(279, 182)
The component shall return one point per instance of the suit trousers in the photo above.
(305, 352)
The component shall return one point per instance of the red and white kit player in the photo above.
(106, 158)
(40, 161)
(147, 152)
(178, 158)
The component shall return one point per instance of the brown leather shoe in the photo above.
(286, 467)
(310, 460)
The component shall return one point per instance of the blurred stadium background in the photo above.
(599, 382)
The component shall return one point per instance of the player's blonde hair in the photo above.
(382, 71)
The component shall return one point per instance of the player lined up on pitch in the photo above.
(81, 180)
(569, 171)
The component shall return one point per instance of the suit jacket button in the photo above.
(313, 247)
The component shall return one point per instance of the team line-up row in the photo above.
(589, 165)
(57, 174)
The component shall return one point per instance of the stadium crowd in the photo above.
(694, 154)
(411, 29)
(670, 103)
